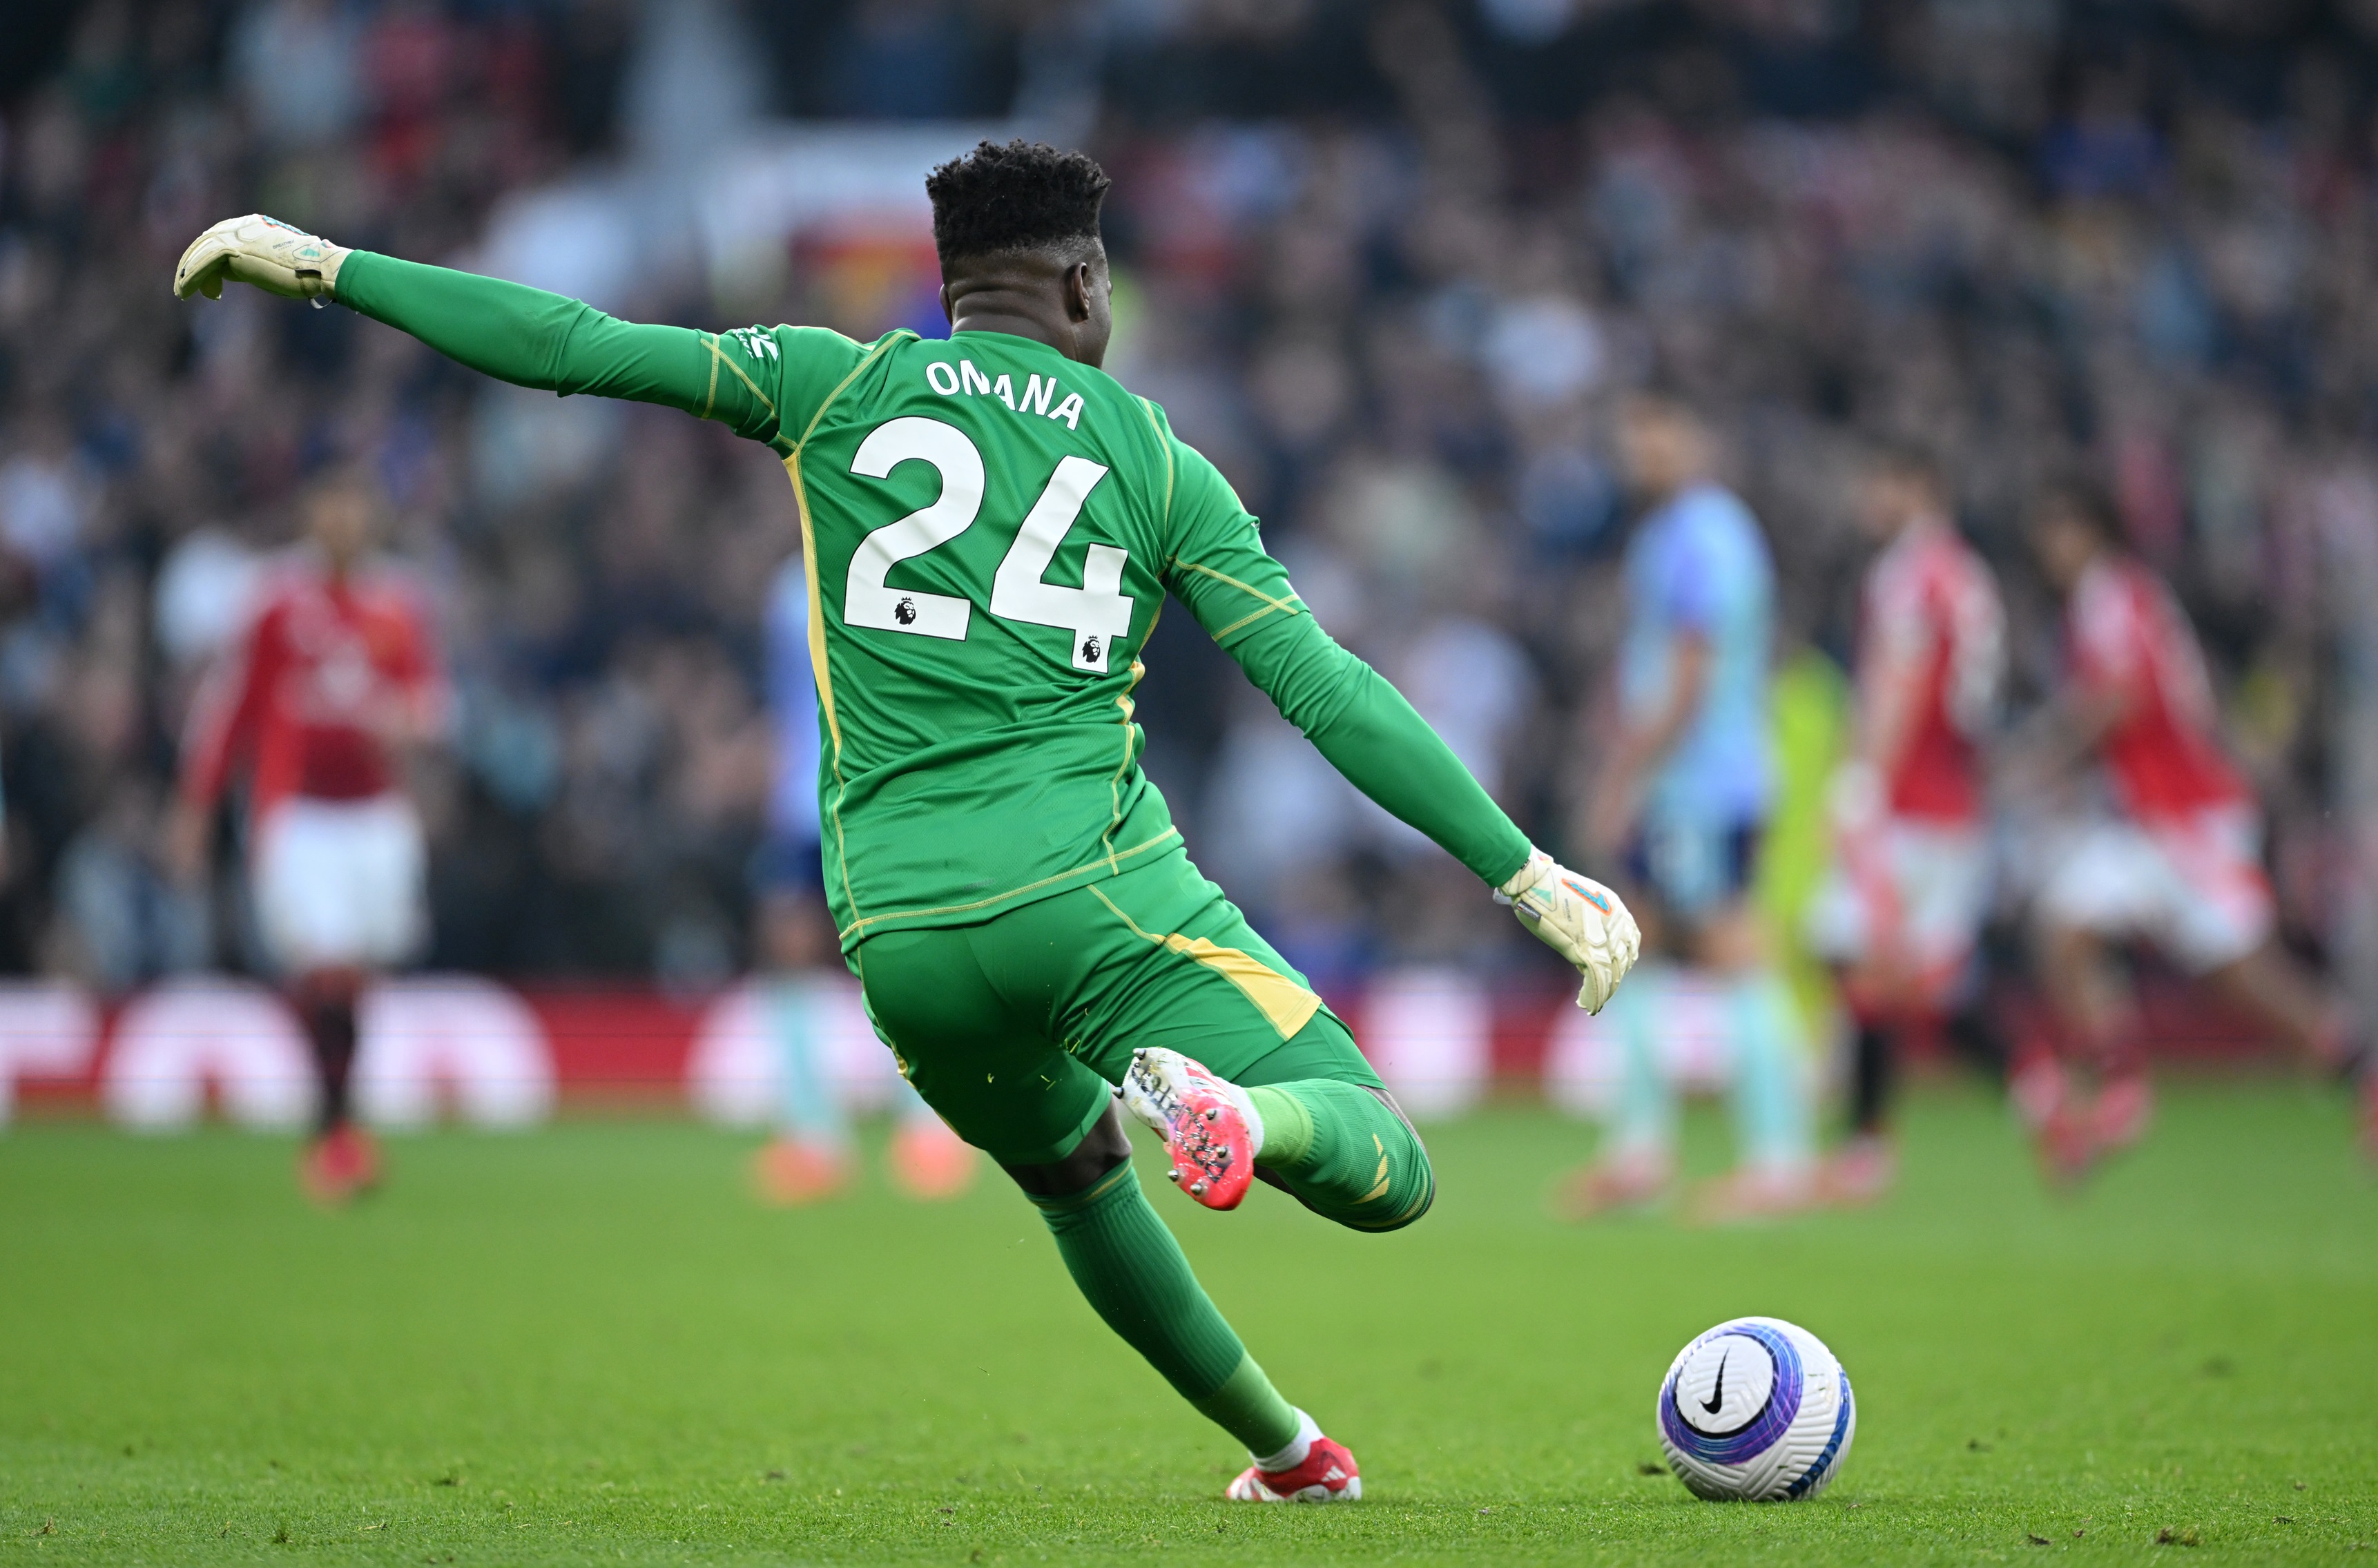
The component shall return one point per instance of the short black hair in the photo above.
(1017, 196)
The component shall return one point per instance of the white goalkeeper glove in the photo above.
(262, 251)
(1581, 920)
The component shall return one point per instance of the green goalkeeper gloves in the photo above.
(262, 251)
(1581, 920)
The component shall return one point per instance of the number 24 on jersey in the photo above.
(1096, 613)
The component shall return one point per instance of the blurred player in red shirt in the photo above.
(319, 699)
(1902, 911)
(2178, 860)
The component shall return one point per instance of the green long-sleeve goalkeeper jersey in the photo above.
(990, 529)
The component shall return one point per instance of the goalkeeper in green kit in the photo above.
(991, 524)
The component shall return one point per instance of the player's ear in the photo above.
(1077, 292)
(949, 307)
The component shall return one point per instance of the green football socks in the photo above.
(1337, 1146)
(1344, 1152)
(1133, 1274)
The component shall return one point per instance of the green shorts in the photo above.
(1015, 1029)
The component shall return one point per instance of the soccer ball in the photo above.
(1757, 1410)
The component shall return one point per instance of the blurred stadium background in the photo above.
(1390, 265)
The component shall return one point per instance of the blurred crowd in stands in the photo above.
(1391, 265)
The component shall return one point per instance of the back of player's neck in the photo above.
(1014, 325)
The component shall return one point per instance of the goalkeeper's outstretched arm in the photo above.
(1370, 733)
(515, 333)
(1241, 595)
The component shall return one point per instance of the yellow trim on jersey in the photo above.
(818, 665)
(1124, 701)
(844, 385)
(1104, 863)
(818, 662)
(1251, 619)
(1285, 1006)
(1289, 605)
(717, 358)
(817, 618)
(1166, 448)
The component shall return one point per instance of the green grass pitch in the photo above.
(586, 1345)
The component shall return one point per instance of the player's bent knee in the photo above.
(1103, 1147)
(1415, 1191)
(1376, 1176)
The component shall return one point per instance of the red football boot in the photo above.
(340, 1166)
(1328, 1474)
(1210, 1127)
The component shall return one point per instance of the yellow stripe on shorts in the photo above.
(1285, 1005)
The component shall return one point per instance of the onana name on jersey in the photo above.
(951, 381)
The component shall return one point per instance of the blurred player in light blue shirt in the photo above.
(1700, 597)
(1682, 802)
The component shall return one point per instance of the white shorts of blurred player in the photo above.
(425, 1042)
(796, 1054)
(339, 884)
(1919, 889)
(1671, 1031)
(2194, 886)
